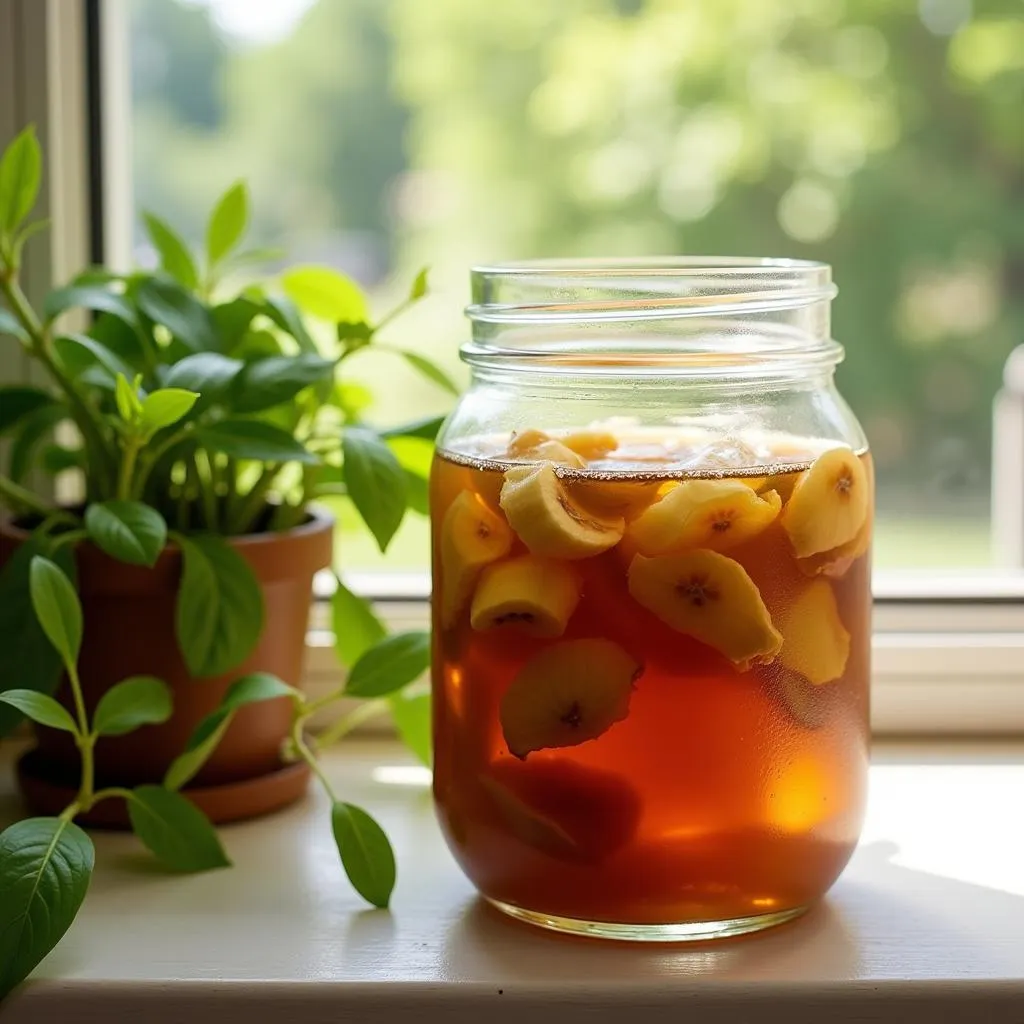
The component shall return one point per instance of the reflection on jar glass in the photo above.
(652, 519)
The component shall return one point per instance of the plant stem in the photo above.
(254, 501)
(71, 537)
(82, 415)
(86, 740)
(208, 498)
(110, 793)
(344, 725)
(393, 315)
(70, 812)
(20, 497)
(125, 477)
(20, 306)
(151, 458)
(307, 755)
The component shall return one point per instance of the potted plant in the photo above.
(154, 631)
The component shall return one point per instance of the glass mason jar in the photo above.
(652, 518)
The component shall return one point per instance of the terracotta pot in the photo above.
(129, 630)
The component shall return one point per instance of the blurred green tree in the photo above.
(886, 138)
(308, 121)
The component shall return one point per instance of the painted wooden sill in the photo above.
(927, 923)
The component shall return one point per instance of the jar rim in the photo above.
(710, 315)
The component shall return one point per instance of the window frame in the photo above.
(948, 650)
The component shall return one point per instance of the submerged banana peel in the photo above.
(472, 536)
(829, 503)
(708, 596)
(534, 595)
(567, 694)
(816, 644)
(541, 510)
(701, 513)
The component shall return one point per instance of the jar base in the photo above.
(689, 931)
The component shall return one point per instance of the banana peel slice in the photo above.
(816, 644)
(708, 596)
(568, 694)
(829, 503)
(472, 536)
(541, 510)
(534, 595)
(703, 513)
(565, 810)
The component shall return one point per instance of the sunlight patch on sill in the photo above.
(413, 775)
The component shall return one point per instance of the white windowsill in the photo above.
(927, 923)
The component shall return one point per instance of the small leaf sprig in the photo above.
(46, 863)
(384, 667)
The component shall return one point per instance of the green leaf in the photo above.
(137, 701)
(129, 405)
(57, 459)
(208, 373)
(389, 665)
(257, 345)
(412, 720)
(206, 737)
(21, 238)
(417, 492)
(175, 830)
(356, 626)
(227, 223)
(254, 688)
(355, 334)
(430, 370)
(252, 439)
(57, 608)
(175, 259)
(123, 340)
(93, 297)
(32, 429)
(202, 743)
(365, 853)
(166, 406)
(40, 708)
(18, 402)
(79, 352)
(283, 313)
(249, 257)
(8, 325)
(129, 531)
(413, 453)
(325, 293)
(419, 285)
(375, 482)
(427, 428)
(219, 616)
(20, 173)
(95, 275)
(269, 382)
(166, 302)
(45, 868)
(232, 319)
(27, 658)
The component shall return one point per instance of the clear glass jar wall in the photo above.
(652, 520)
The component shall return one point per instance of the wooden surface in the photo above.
(927, 923)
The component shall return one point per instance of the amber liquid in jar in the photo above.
(651, 671)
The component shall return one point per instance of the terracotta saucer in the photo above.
(233, 801)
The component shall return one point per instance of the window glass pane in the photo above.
(884, 138)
